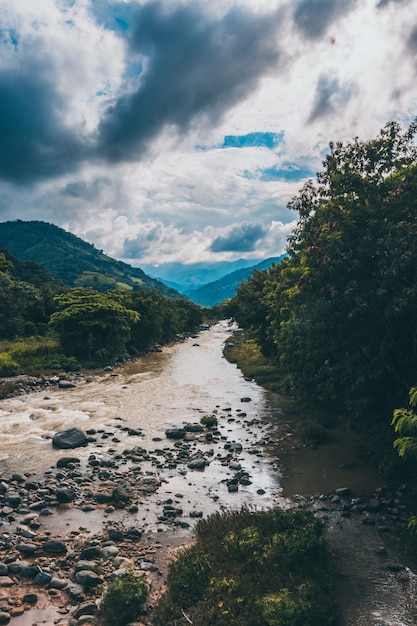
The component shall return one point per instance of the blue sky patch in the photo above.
(288, 172)
(254, 140)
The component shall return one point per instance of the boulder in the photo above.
(86, 578)
(65, 384)
(54, 546)
(70, 438)
(175, 433)
(65, 460)
(197, 464)
(65, 495)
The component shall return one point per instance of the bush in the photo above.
(124, 599)
(251, 568)
(8, 367)
(209, 420)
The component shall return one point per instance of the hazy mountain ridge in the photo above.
(187, 277)
(219, 290)
(72, 260)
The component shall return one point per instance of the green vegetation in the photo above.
(48, 328)
(124, 599)
(249, 568)
(72, 261)
(210, 421)
(338, 316)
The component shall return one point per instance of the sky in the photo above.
(178, 130)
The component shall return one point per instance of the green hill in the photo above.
(219, 290)
(73, 261)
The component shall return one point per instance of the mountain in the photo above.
(73, 261)
(213, 293)
(185, 277)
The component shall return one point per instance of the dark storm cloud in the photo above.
(84, 190)
(330, 96)
(242, 238)
(194, 67)
(383, 3)
(34, 142)
(313, 17)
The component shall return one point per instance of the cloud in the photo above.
(330, 97)
(240, 238)
(313, 17)
(194, 67)
(35, 142)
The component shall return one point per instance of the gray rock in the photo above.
(54, 546)
(65, 384)
(108, 552)
(5, 581)
(175, 433)
(86, 608)
(197, 464)
(75, 591)
(86, 578)
(4, 570)
(65, 460)
(43, 578)
(120, 494)
(30, 598)
(70, 438)
(4, 617)
(65, 495)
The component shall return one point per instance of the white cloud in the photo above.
(153, 191)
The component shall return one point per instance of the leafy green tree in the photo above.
(340, 313)
(405, 425)
(92, 326)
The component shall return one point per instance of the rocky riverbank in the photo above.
(48, 564)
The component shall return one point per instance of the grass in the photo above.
(251, 568)
(245, 352)
(34, 356)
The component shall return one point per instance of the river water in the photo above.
(158, 391)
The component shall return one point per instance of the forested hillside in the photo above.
(339, 314)
(45, 325)
(73, 261)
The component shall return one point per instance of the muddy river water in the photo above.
(168, 389)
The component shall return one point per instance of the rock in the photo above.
(343, 491)
(93, 552)
(120, 495)
(4, 617)
(246, 399)
(395, 567)
(175, 433)
(65, 384)
(28, 549)
(86, 578)
(70, 438)
(65, 495)
(89, 565)
(115, 534)
(197, 464)
(54, 546)
(30, 571)
(6, 581)
(75, 591)
(103, 498)
(86, 608)
(133, 533)
(58, 583)
(30, 598)
(108, 552)
(65, 460)
(4, 570)
(43, 578)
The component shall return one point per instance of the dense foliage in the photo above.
(340, 313)
(124, 599)
(72, 261)
(250, 568)
(37, 314)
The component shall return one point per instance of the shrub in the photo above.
(209, 420)
(8, 367)
(124, 599)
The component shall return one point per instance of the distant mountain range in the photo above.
(73, 261)
(77, 263)
(219, 290)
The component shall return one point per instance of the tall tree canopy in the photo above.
(340, 312)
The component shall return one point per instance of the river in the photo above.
(179, 385)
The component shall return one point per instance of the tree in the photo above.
(92, 326)
(340, 313)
